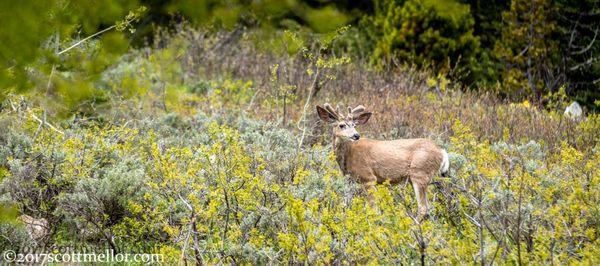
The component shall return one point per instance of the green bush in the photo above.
(428, 33)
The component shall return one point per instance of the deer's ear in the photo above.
(325, 115)
(362, 118)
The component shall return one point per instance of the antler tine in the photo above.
(330, 109)
(339, 112)
(355, 111)
(358, 109)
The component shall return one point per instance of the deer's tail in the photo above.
(445, 166)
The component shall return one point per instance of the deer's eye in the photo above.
(342, 126)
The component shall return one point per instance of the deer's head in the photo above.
(344, 126)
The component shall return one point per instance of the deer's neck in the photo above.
(341, 148)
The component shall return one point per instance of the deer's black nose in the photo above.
(356, 136)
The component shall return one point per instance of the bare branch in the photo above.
(590, 61)
(45, 123)
(585, 49)
(85, 39)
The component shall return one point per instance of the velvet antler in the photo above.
(332, 111)
(353, 112)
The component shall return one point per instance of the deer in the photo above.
(371, 162)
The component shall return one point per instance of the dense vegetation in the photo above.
(203, 144)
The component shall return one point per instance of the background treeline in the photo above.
(519, 49)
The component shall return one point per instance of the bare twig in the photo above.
(198, 256)
(50, 79)
(310, 94)
(45, 123)
(85, 39)
(585, 49)
(39, 129)
(582, 64)
(15, 109)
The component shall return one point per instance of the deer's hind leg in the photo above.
(420, 183)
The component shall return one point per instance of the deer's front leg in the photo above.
(368, 187)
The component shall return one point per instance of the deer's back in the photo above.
(394, 160)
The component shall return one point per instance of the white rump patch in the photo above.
(445, 166)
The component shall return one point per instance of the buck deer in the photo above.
(374, 161)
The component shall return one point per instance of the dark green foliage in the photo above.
(546, 45)
(529, 48)
(481, 44)
(488, 19)
(33, 32)
(525, 51)
(425, 32)
(318, 16)
(579, 31)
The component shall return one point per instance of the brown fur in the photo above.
(393, 161)
(372, 161)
